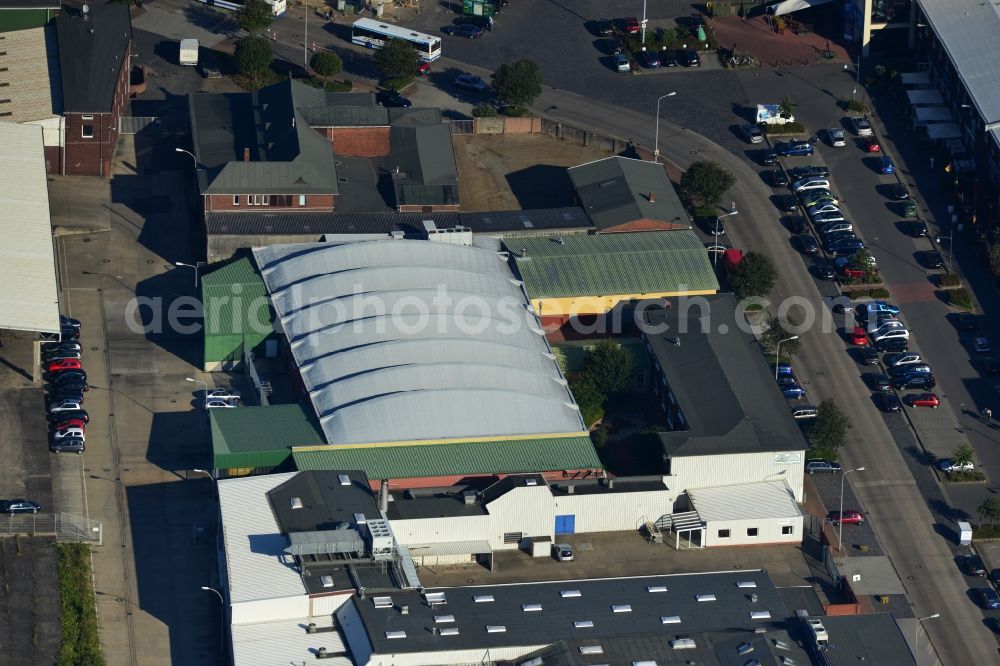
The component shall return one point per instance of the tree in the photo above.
(994, 255)
(776, 332)
(963, 454)
(753, 276)
(517, 84)
(326, 63)
(989, 510)
(588, 397)
(397, 61)
(609, 366)
(829, 427)
(787, 106)
(253, 56)
(255, 16)
(704, 183)
(864, 260)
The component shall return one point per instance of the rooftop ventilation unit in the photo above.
(359, 519)
(344, 479)
(380, 539)
(670, 619)
(495, 629)
(444, 619)
(644, 663)
(787, 661)
(531, 608)
(583, 624)
(469, 497)
(435, 598)
(781, 645)
(296, 502)
(760, 615)
(683, 644)
(746, 584)
(395, 634)
(621, 608)
(656, 588)
(483, 598)
(591, 649)
(819, 632)
(382, 602)
(565, 594)
(326, 581)
(449, 631)
(705, 597)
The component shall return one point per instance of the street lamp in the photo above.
(947, 249)
(717, 218)
(196, 265)
(777, 353)
(187, 152)
(656, 141)
(198, 381)
(916, 633)
(222, 624)
(840, 516)
(644, 21)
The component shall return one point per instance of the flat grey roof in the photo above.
(873, 639)
(722, 383)
(326, 503)
(356, 305)
(617, 607)
(438, 505)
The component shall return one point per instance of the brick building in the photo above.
(95, 43)
(292, 148)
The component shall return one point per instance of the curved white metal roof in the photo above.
(402, 340)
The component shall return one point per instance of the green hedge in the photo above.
(960, 298)
(968, 475)
(81, 641)
(787, 128)
(949, 280)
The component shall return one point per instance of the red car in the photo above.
(858, 336)
(69, 423)
(924, 400)
(423, 68)
(849, 272)
(631, 25)
(64, 364)
(850, 517)
(871, 145)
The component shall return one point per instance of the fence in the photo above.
(584, 137)
(66, 527)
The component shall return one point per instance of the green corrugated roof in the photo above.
(500, 456)
(260, 436)
(236, 302)
(646, 262)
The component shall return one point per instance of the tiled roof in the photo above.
(29, 59)
(493, 457)
(260, 436)
(606, 264)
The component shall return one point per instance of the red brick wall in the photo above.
(359, 141)
(92, 156)
(53, 159)
(451, 208)
(221, 203)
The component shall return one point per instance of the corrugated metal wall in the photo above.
(267, 610)
(442, 530)
(327, 605)
(613, 512)
(727, 470)
(526, 510)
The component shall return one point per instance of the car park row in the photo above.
(66, 384)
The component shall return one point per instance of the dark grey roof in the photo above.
(616, 190)
(508, 483)
(346, 574)
(721, 381)
(346, 116)
(609, 486)
(325, 502)
(527, 222)
(874, 639)
(358, 181)
(437, 505)
(555, 621)
(286, 155)
(92, 52)
(422, 164)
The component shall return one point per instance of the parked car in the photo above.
(215, 403)
(914, 382)
(833, 227)
(60, 354)
(868, 355)
(987, 598)
(818, 197)
(651, 60)
(779, 178)
(930, 259)
(822, 208)
(563, 552)
(68, 445)
(63, 396)
(893, 345)
(915, 229)
(900, 359)
(68, 423)
(604, 27)
(831, 216)
(470, 82)
(971, 564)
(56, 417)
(786, 203)
(805, 184)
(690, 58)
(835, 137)
(790, 388)
(622, 63)
(845, 247)
(851, 271)
(890, 333)
(69, 322)
(67, 385)
(923, 400)
(209, 65)
(886, 165)
(672, 59)
(73, 345)
(782, 369)
(795, 149)
(879, 306)
(849, 517)
(967, 322)
(877, 381)
(804, 412)
(714, 247)
(76, 433)
(69, 333)
(614, 46)
(630, 25)
(806, 244)
(63, 364)
(910, 369)
(767, 157)
(752, 133)
(817, 465)
(64, 375)
(467, 30)
(65, 406)
(981, 346)
(861, 126)
(898, 192)
(885, 326)
(19, 506)
(887, 401)
(872, 145)
(223, 394)
(989, 366)
(948, 466)
(392, 98)
(811, 171)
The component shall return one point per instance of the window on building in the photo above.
(723, 534)
(788, 529)
(513, 537)
(249, 200)
(87, 131)
(751, 531)
(302, 200)
(236, 200)
(265, 200)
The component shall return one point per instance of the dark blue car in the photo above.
(987, 598)
(783, 369)
(886, 165)
(790, 387)
(649, 59)
(795, 150)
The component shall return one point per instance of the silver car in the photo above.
(563, 552)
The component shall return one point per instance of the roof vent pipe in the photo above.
(652, 198)
(246, 154)
(383, 496)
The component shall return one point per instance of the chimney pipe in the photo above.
(652, 198)
(246, 154)
(383, 496)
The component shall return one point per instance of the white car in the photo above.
(902, 358)
(75, 433)
(222, 394)
(861, 126)
(65, 406)
(835, 137)
(563, 552)
(823, 208)
(822, 218)
(214, 403)
(890, 334)
(807, 184)
(949, 465)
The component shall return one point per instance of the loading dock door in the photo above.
(565, 524)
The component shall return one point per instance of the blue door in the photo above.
(565, 524)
